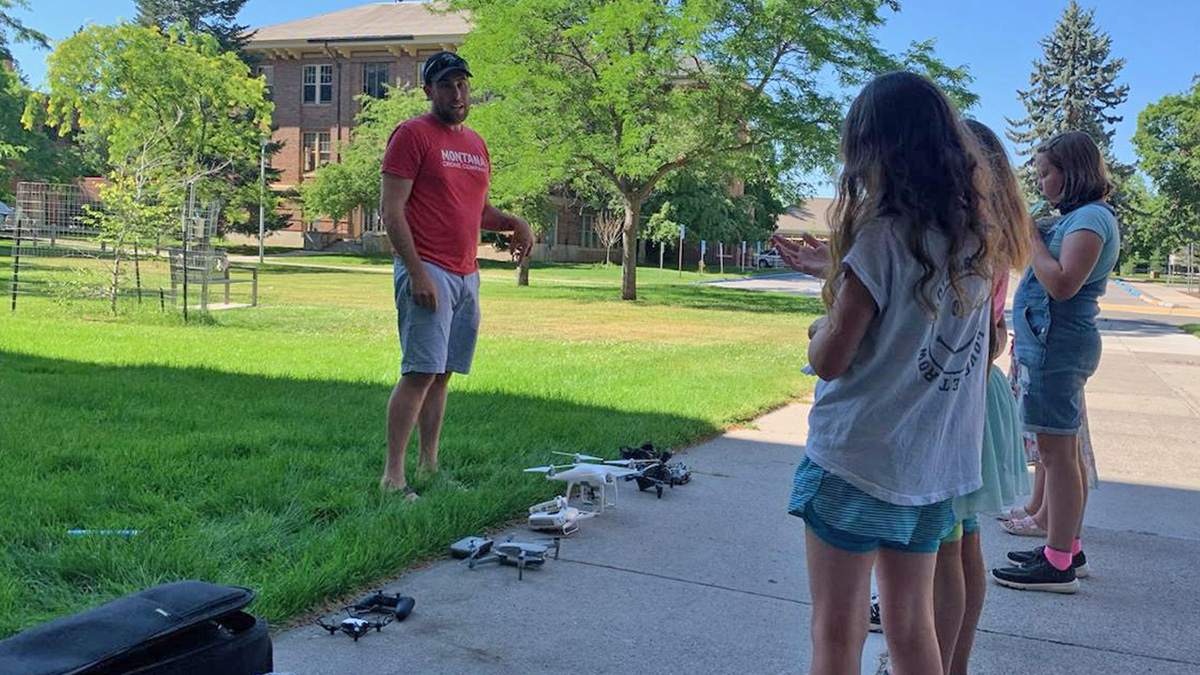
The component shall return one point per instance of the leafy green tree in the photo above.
(217, 18)
(1168, 147)
(171, 111)
(634, 90)
(128, 85)
(30, 154)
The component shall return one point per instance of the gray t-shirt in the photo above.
(905, 422)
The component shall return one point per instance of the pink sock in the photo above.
(1060, 559)
(1076, 546)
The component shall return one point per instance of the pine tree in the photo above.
(215, 17)
(1074, 88)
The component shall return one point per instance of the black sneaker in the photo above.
(1037, 575)
(1078, 561)
(875, 625)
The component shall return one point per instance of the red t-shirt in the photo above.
(450, 171)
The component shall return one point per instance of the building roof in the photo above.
(376, 22)
(812, 217)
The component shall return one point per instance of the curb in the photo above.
(1144, 297)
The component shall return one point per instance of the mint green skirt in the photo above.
(1005, 476)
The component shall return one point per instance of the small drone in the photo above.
(652, 469)
(387, 608)
(481, 551)
(557, 516)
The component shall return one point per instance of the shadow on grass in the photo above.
(266, 482)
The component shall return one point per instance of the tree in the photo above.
(634, 90)
(125, 84)
(19, 31)
(1168, 147)
(30, 154)
(217, 18)
(608, 229)
(1072, 88)
(170, 111)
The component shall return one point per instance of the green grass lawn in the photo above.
(246, 446)
(1193, 328)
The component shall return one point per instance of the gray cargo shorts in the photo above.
(441, 340)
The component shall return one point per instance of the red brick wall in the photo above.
(292, 117)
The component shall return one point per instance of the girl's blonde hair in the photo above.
(1009, 215)
(906, 155)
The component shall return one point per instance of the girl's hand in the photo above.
(808, 255)
(816, 326)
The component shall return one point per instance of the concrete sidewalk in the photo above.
(710, 579)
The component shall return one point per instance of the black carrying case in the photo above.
(182, 628)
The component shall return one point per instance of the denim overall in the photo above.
(1057, 344)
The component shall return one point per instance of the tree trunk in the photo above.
(523, 272)
(607, 254)
(633, 209)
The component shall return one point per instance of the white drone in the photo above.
(595, 477)
(557, 516)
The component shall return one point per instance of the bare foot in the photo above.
(388, 485)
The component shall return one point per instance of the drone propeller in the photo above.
(622, 462)
(579, 457)
(539, 469)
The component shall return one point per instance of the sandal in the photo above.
(1014, 513)
(1023, 527)
(406, 493)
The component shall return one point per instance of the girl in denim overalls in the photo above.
(1058, 346)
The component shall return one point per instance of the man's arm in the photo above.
(495, 220)
(395, 193)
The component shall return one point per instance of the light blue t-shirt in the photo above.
(1096, 217)
(904, 423)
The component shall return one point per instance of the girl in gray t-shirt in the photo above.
(896, 427)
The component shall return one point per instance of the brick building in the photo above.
(314, 69)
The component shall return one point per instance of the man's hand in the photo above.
(807, 255)
(422, 289)
(522, 239)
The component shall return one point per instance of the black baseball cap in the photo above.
(442, 64)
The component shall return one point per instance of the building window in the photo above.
(268, 75)
(587, 232)
(316, 150)
(370, 220)
(420, 81)
(318, 84)
(375, 76)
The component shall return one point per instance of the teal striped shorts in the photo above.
(849, 519)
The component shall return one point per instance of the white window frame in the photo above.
(321, 78)
(317, 154)
(420, 81)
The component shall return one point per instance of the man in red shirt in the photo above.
(435, 183)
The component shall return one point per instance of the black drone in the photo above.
(653, 469)
(374, 611)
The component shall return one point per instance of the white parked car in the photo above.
(769, 259)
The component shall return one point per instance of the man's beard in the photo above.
(449, 115)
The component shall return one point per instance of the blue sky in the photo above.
(998, 41)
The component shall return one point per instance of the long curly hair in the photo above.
(1009, 215)
(906, 156)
